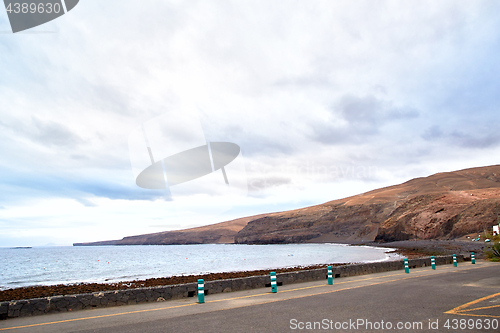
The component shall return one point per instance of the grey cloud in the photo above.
(475, 141)
(44, 132)
(18, 185)
(257, 184)
(380, 89)
(432, 133)
(325, 133)
(474, 138)
(107, 98)
(250, 142)
(369, 110)
(260, 145)
(86, 202)
(176, 134)
(364, 116)
(52, 133)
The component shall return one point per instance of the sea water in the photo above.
(22, 267)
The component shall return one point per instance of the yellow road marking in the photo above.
(95, 317)
(426, 273)
(473, 315)
(463, 310)
(477, 309)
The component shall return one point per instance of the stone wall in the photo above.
(38, 306)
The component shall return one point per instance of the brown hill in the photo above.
(441, 206)
(444, 205)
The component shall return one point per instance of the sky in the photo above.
(326, 99)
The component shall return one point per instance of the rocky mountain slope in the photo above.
(441, 206)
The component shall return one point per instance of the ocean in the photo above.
(21, 267)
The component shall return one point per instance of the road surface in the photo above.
(449, 299)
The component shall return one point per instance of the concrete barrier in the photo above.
(54, 304)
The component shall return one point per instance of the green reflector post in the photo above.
(407, 268)
(201, 291)
(330, 275)
(433, 262)
(472, 258)
(274, 284)
(455, 260)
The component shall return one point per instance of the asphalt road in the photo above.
(449, 299)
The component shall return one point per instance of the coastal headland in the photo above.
(443, 206)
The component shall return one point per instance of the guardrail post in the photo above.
(407, 268)
(274, 284)
(433, 262)
(455, 260)
(472, 258)
(330, 275)
(201, 291)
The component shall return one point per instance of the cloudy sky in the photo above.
(325, 98)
